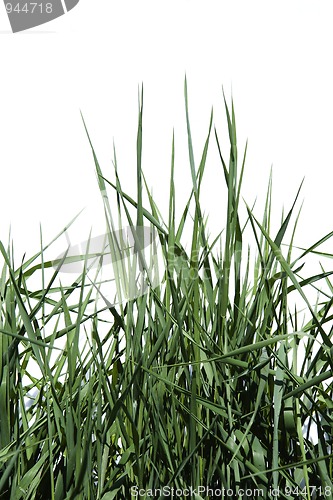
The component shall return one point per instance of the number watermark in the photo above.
(24, 15)
(224, 492)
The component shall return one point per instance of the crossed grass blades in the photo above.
(211, 378)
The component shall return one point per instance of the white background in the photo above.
(275, 58)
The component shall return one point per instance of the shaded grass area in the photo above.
(209, 379)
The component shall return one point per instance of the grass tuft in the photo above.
(202, 374)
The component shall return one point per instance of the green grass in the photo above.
(212, 378)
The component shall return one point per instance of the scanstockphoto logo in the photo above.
(24, 15)
(122, 264)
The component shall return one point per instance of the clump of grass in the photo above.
(206, 380)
